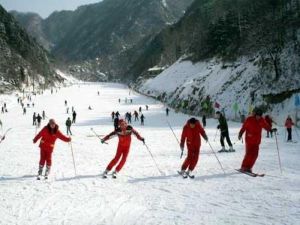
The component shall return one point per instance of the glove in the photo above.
(218, 127)
(205, 138)
(143, 140)
(240, 137)
(274, 130)
(70, 139)
(181, 147)
(102, 141)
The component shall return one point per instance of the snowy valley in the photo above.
(140, 194)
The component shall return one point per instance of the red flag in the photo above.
(217, 105)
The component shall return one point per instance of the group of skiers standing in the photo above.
(128, 116)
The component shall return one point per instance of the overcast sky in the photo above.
(43, 7)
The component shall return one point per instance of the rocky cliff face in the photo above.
(23, 62)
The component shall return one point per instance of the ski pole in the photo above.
(216, 156)
(285, 134)
(278, 152)
(98, 136)
(73, 158)
(297, 132)
(154, 160)
(216, 135)
(175, 137)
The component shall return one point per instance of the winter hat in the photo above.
(192, 120)
(121, 121)
(52, 121)
(257, 111)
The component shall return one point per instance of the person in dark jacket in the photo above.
(39, 120)
(204, 120)
(116, 123)
(74, 114)
(68, 125)
(224, 133)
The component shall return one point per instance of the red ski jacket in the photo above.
(289, 123)
(124, 136)
(48, 139)
(253, 128)
(192, 135)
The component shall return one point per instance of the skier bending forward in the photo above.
(124, 132)
(191, 135)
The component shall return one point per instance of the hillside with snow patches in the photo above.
(226, 83)
(140, 194)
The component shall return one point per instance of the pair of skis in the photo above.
(39, 177)
(105, 176)
(186, 175)
(251, 173)
(226, 151)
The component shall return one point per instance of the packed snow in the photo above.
(140, 194)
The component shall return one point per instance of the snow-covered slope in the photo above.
(140, 195)
(68, 79)
(225, 83)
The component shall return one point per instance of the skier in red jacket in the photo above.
(269, 121)
(191, 134)
(253, 127)
(124, 133)
(288, 124)
(48, 136)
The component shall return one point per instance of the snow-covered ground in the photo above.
(140, 195)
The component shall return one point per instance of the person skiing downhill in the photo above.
(224, 133)
(288, 124)
(48, 136)
(191, 135)
(124, 133)
(253, 127)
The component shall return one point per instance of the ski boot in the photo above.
(182, 173)
(47, 172)
(114, 174)
(104, 175)
(40, 172)
(231, 149)
(189, 174)
(222, 150)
